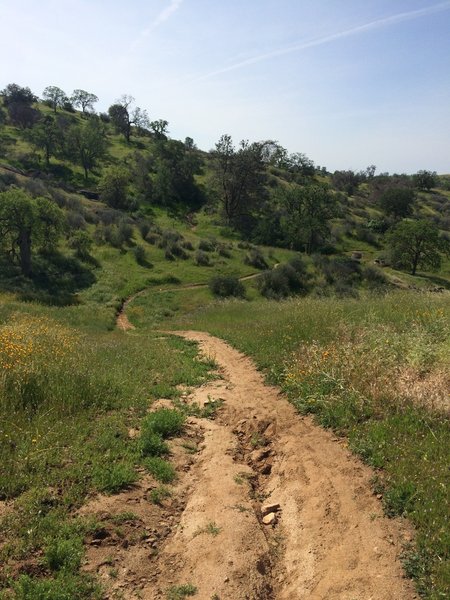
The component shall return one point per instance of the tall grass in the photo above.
(378, 372)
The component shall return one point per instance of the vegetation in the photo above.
(95, 209)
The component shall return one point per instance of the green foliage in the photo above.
(152, 443)
(255, 258)
(284, 280)
(86, 145)
(165, 421)
(415, 244)
(178, 592)
(309, 210)
(425, 180)
(64, 554)
(82, 243)
(226, 287)
(114, 477)
(25, 221)
(397, 201)
(64, 587)
(161, 470)
(159, 494)
(114, 188)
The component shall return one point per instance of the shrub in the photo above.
(152, 444)
(144, 228)
(114, 477)
(227, 286)
(207, 245)
(223, 250)
(160, 469)
(125, 231)
(375, 277)
(64, 554)
(202, 259)
(166, 422)
(187, 245)
(256, 259)
(284, 280)
(140, 255)
(81, 242)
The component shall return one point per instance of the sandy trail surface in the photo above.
(270, 507)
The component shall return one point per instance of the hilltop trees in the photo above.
(55, 96)
(27, 221)
(84, 100)
(18, 101)
(124, 117)
(425, 180)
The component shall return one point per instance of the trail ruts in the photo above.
(328, 538)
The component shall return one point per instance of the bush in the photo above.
(140, 255)
(285, 280)
(161, 470)
(256, 259)
(152, 444)
(207, 245)
(165, 421)
(64, 554)
(227, 286)
(223, 250)
(202, 259)
(144, 228)
(81, 242)
(375, 277)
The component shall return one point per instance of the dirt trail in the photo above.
(326, 539)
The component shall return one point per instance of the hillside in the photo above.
(120, 448)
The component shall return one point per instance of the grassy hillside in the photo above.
(364, 347)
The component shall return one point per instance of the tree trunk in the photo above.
(25, 251)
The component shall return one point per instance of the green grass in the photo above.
(161, 469)
(67, 400)
(376, 372)
(178, 592)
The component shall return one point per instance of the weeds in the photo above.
(161, 470)
(178, 592)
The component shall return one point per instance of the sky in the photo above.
(349, 83)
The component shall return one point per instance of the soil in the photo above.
(267, 506)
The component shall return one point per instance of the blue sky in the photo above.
(348, 82)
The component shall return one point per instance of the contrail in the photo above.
(378, 24)
(163, 16)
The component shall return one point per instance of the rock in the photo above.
(270, 508)
(270, 519)
(259, 455)
(267, 469)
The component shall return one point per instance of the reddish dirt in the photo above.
(327, 538)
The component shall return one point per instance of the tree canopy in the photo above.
(415, 244)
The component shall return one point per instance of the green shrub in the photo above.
(160, 469)
(166, 422)
(207, 245)
(64, 554)
(159, 494)
(202, 259)
(227, 286)
(64, 587)
(285, 280)
(140, 255)
(113, 477)
(152, 443)
(255, 258)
